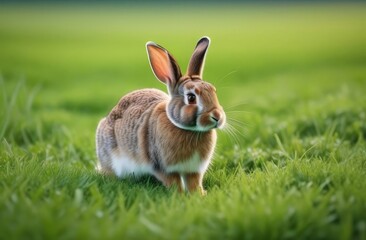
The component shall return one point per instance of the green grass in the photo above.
(291, 78)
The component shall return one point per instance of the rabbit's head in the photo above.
(193, 105)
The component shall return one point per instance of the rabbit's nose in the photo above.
(215, 116)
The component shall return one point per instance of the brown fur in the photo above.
(163, 131)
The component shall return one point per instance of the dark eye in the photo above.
(191, 98)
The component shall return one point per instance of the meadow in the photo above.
(292, 79)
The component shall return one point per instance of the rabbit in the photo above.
(171, 137)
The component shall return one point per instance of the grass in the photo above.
(291, 78)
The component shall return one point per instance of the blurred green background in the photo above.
(89, 56)
(291, 76)
(84, 58)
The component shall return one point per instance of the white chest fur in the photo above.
(124, 166)
(191, 165)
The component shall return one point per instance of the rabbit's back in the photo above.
(131, 114)
(132, 106)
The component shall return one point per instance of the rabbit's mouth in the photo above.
(213, 119)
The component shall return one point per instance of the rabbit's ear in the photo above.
(163, 64)
(197, 61)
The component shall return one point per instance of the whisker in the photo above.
(234, 133)
(237, 131)
(234, 137)
(237, 111)
(236, 121)
(238, 124)
(225, 76)
(237, 105)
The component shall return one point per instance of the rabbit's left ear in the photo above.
(197, 62)
(163, 64)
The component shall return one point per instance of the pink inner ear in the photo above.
(160, 64)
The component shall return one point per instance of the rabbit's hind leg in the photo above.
(193, 183)
(170, 179)
(105, 144)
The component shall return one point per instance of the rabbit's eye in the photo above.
(191, 98)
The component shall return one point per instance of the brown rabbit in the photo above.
(171, 137)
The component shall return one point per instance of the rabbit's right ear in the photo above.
(197, 62)
(164, 66)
